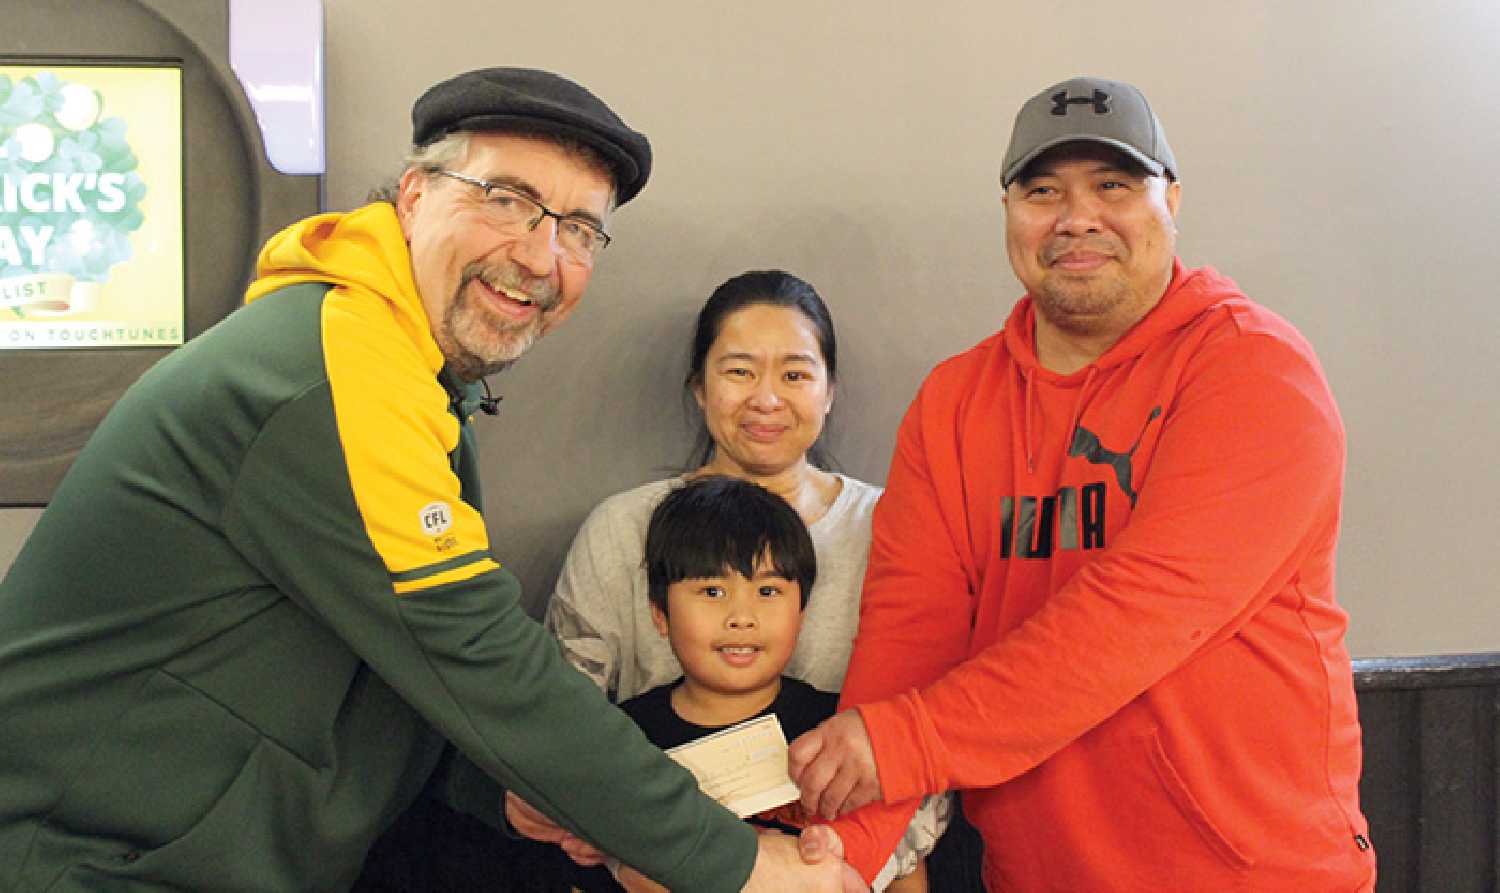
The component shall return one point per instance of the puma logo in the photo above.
(1086, 444)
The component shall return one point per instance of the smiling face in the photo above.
(765, 391)
(1092, 238)
(732, 635)
(491, 292)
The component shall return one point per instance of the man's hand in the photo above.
(529, 821)
(780, 868)
(581, 851)
(819, 845)
(635, 882)
(834, 765)
(819, 842)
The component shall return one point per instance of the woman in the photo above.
(763, 370)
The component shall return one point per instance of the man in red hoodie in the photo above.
(1100, 600)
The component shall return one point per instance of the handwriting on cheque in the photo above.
(744, 767)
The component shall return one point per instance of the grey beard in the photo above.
(465, 362)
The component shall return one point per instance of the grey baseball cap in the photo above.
(1093, 110)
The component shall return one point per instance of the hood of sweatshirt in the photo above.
(1190, 294)
(362, 250)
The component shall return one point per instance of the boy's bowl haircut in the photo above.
(714, 524)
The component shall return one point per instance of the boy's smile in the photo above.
(739, 655)
(733, 636)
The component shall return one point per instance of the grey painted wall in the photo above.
(1337, 160)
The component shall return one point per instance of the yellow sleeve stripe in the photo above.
(398, 436)
(456, 575)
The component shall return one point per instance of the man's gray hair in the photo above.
(452, 149)
(446, 152)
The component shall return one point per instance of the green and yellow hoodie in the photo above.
(263, 597)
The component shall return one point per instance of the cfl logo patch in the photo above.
(436, 518)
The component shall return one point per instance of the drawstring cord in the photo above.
(1030, 399)
(1078, 402)
(1031, 435)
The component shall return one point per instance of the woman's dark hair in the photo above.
(714, 524)
(773, 288)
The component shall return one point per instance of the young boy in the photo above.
(729, 566)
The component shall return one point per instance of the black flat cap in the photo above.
(533, 101)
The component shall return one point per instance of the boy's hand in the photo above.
(834, 765)
(529, 821)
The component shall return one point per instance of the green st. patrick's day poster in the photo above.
(90, 206)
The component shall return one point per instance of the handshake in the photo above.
(783, 864)
(833, 764)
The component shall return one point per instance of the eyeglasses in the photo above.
(510, 209)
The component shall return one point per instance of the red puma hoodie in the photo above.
(1101, 605)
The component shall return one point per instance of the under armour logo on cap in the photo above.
(1061, 100)
(1121, 118)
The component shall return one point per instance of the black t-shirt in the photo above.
(798, 706)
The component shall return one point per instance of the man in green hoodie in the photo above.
(263, 597)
